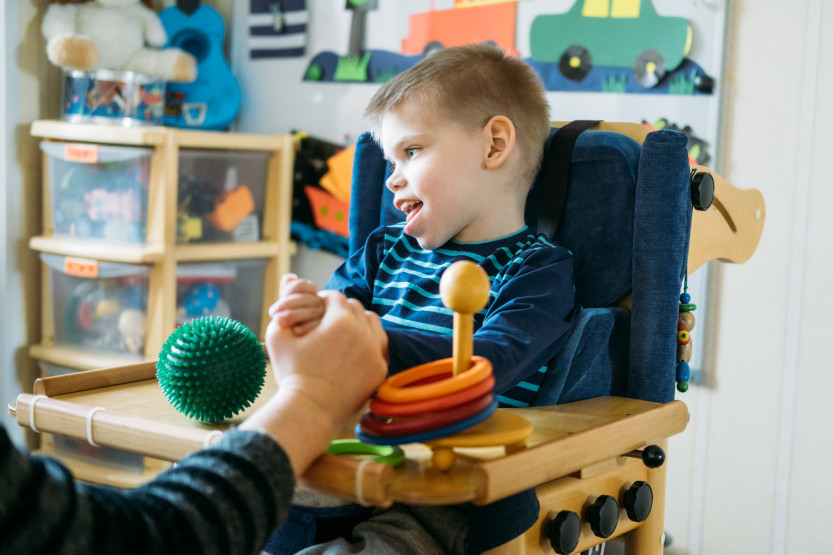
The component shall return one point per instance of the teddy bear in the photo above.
(120, 35)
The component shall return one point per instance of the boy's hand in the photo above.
(299, 308)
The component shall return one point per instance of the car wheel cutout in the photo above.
(649, 68)
(575, 63)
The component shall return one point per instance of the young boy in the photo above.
(464, 132)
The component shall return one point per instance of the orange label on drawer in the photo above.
(87, 154)
(81, 267)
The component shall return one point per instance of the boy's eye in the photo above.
(411, 151)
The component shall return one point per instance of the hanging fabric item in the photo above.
(277, 28)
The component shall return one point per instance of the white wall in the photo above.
(759, 443)
(6, 387)
(20, 56)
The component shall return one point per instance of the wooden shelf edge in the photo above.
(79, 359)
(187, 138)
(151, 254)
(226, 251)
(157, 135)
(98, 133)
(132, 254)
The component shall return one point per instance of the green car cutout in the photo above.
(611, 33)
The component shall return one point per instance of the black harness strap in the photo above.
(557, 175)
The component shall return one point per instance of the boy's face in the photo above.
(439, 180)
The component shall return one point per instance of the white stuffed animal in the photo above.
(121, 35)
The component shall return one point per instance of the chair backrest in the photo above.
(626, 219)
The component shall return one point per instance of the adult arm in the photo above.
(226, 499)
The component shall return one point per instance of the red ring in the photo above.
(399, 388)
(425, 422)
(383, 408)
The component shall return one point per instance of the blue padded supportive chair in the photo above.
(627, 218)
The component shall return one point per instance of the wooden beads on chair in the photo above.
(685, 323)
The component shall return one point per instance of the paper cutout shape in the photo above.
(337, 180)
(470, 21)
(611, 33)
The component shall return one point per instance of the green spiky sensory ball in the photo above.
(211, 368)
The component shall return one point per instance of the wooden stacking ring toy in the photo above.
(464, 288)
(438, 402)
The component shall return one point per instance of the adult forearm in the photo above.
(225, 500)
(307, 436)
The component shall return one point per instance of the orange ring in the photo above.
(396, 388)
(391, 410)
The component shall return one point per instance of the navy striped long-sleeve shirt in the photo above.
(524, 323)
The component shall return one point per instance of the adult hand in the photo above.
(339, 364)
(323, 378)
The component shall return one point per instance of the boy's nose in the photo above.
(395, 181)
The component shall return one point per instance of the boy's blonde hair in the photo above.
(471, 84)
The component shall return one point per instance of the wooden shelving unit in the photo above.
(160, 253)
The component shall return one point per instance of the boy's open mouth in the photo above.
(410, 208)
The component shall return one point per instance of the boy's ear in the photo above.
(499, 141)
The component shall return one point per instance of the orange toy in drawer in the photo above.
(232, 208)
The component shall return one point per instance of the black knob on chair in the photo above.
(564, 532)
(653, 456)
(603, 516)
(702, 190)
(704, 84)
(638, 501)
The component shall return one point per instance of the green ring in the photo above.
(687, 307)
(386, 454)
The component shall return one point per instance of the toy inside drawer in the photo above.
(98, 191)
(221, 195)
(232, 289)
(96, 305)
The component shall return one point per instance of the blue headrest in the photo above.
(597, 220)
(371, 204)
